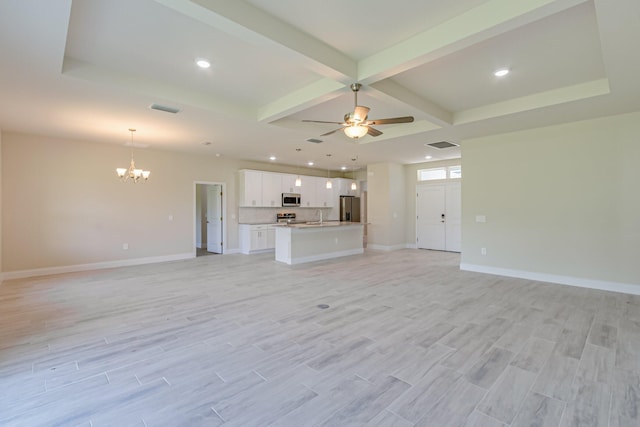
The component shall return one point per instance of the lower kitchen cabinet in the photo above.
(256, 238)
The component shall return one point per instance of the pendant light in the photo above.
(298, 180)
(329, 184)
(135, 174)
(354, 186)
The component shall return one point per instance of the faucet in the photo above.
(320, 210)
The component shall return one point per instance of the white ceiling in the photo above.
(89, 70)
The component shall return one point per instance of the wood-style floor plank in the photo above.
(236, 340)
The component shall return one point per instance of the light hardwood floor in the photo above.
(408, 340)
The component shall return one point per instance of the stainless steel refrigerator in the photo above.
(350, 208)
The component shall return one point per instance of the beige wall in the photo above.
(386, 206)
(201, 214)
(1, 185)
(68, 207)
(561, 201)
(73, 210)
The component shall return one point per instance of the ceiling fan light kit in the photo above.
(356, 125)
(356, 131)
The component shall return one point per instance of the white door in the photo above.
(453, 217)
(214, 219)
(439, 216)
(431, 217)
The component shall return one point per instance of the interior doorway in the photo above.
(209, 218)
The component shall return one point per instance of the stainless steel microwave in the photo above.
(290, 200)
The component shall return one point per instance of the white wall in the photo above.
(561, 203)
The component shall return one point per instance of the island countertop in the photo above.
(318, 224)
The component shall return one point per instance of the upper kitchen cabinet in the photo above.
(250, 188)
(264, 189)
(344, 187)
(324, 195)
(272, 189)
(309, 192)
(289, 183)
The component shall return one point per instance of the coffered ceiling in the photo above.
(90, 69)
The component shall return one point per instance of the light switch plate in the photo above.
(481, 218)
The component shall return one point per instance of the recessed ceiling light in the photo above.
(344, 168)
(501, 73)
(203, 63)
(217, 154)
(272, 158)
(310, 163)
(428, 157)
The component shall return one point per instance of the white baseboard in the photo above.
(625, 288)
(231, 251)
(387, 248)
(21, 274)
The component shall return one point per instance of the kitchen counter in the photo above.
(314, 241)
(315, 224)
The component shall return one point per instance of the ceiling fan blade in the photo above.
(320, 121)
(407, 119)
(333, 131)
(360, 113)
(373, 132)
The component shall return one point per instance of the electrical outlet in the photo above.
(170, 217)
(125, 246)
(483, 251)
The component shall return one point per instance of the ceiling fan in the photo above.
(356, 125)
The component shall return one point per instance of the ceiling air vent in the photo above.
(314, 140)
(442, 144)
(164, 108)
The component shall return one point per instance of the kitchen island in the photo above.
(299, 243)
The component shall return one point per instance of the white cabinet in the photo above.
(289, 184)
(257, 238)
(344, 187)
(271, 189)
(271, 237)
(324, 195)
(309, 192)
(250, 194)
(264, 189)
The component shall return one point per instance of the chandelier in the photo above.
(133, 173)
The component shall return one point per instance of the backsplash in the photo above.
(268, 215)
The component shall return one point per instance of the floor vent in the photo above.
(164, 108)
(442, 144)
